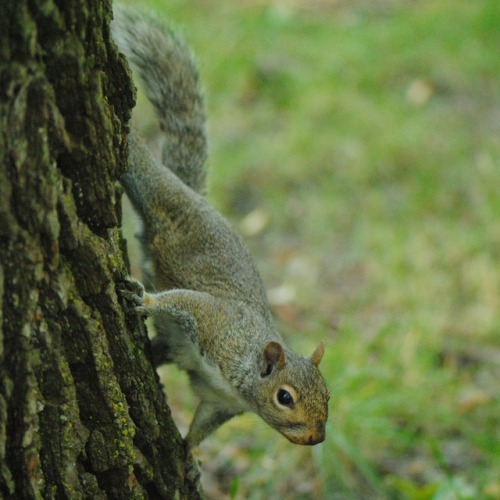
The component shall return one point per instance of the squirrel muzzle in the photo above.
(306, 436)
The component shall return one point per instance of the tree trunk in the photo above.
(82, 414)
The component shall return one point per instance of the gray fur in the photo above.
(212, 317)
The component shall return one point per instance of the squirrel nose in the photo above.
(317, 435)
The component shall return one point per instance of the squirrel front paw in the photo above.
(192, 467)
(133, 291)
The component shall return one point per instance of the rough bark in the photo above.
(82, 414)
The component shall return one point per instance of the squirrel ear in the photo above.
(317, 355)
(273, 356)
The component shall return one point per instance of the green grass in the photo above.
(366, 135)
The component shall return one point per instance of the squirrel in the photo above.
(211, 317)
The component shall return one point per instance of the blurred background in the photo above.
(355, 145)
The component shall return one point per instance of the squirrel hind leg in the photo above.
(162, 352)
(208, 417)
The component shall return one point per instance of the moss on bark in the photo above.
(82, 414)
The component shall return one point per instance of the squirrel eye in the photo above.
(285, 398)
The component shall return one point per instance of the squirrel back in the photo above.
(211, 315)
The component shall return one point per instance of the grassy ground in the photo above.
(356, 146)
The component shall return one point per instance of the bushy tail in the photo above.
(164, 66)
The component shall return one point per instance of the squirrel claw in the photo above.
(131, 285)
(192, 468)
(140, 310)
(133, 291)
(133, 297)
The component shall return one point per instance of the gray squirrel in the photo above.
(212, 317)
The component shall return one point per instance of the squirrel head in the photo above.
(292, 394)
